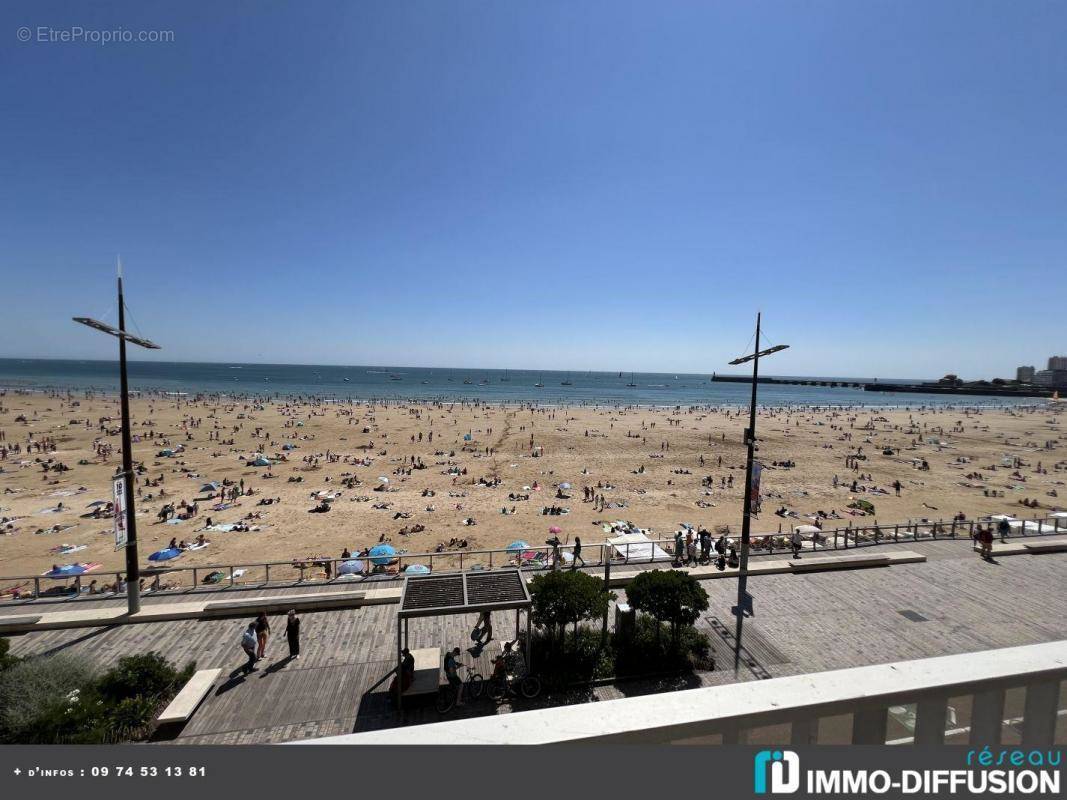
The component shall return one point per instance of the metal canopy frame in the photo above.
(451, 593)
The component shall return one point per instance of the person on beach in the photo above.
(262, 627)
(248, 645)
(797, 542)
(292, 633)
(985, 543)
(1003, 528)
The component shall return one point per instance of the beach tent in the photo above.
(417, 569)
(165, 555)
(862, 505)
(382, 554)
(165, 453)
(288, 446)
(352, 567)
(260, 461)
(638, 547)
(210, 487)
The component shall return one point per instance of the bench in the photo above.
(838, 562)
(15, 624)
(1046, 547)
(308, 602)
(427, 672)
(192, 694)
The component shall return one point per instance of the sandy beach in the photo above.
(448, 464)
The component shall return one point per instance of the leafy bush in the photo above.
(646, 652)
(35, 695)
(567, 598)
(6, 660)
(58, 699)
(582, 658)
(668, 596)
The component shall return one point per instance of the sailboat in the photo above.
(567, 382)
(631, 384)
(467, 381)
(484, 381)
(505, 379)
(540, 383)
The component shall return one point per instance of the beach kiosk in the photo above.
(444, 594)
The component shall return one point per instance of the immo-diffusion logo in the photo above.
(784, 769)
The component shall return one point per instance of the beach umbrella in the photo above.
(166, 452)
(288, 446)
(555, 529)
(518, 546)
(65, 571)
(417, 569)
(210, 487)
(260, 461)
(165, 555)
(807, 529)
(383, 479)
(353, 567)
(96, 503)
(564, 486)
(382, 554)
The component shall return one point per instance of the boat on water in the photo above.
(347, 380)
(505, 379)
(567, 382)
(467, 382)
(540, 383)
(631, 384)
(395, 378)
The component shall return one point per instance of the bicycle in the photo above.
(473, 687)
(528, 686)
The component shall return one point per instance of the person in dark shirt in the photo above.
(292, 634)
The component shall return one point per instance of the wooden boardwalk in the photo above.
(803, 623)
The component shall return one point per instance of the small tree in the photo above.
(562, 598)
(668, 596)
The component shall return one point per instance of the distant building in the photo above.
(1056, 378)
(1057, 363)
(1025, 374)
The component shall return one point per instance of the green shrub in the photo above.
(6, 660)
(35, 695)
(646, 652)
(146, 675)
(676, 598)
(567, 598)
(57, 699)
(583, 657)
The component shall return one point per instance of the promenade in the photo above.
(951, 602)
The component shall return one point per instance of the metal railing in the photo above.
(318, 570)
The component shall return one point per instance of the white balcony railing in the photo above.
(1030, 676)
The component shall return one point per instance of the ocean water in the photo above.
(494, 386)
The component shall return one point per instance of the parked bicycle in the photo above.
(473, 686)
(528, 686)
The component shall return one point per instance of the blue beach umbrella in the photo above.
(210, 487)
(165, 555)
(417, 569)
(65, 571)
(382, 554)
(353, 567)
(518, 546)
(261, 461)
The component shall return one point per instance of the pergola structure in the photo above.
(460, 593)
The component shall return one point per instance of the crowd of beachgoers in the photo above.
(241, 480)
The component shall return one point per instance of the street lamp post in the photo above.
(746, 521)
(133, 570)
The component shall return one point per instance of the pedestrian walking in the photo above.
(577, 553)
(248, 645)
(292, 633)
(797, 543)
(262, 633)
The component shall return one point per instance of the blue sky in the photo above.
(567, 185)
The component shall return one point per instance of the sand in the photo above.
(583, 446)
